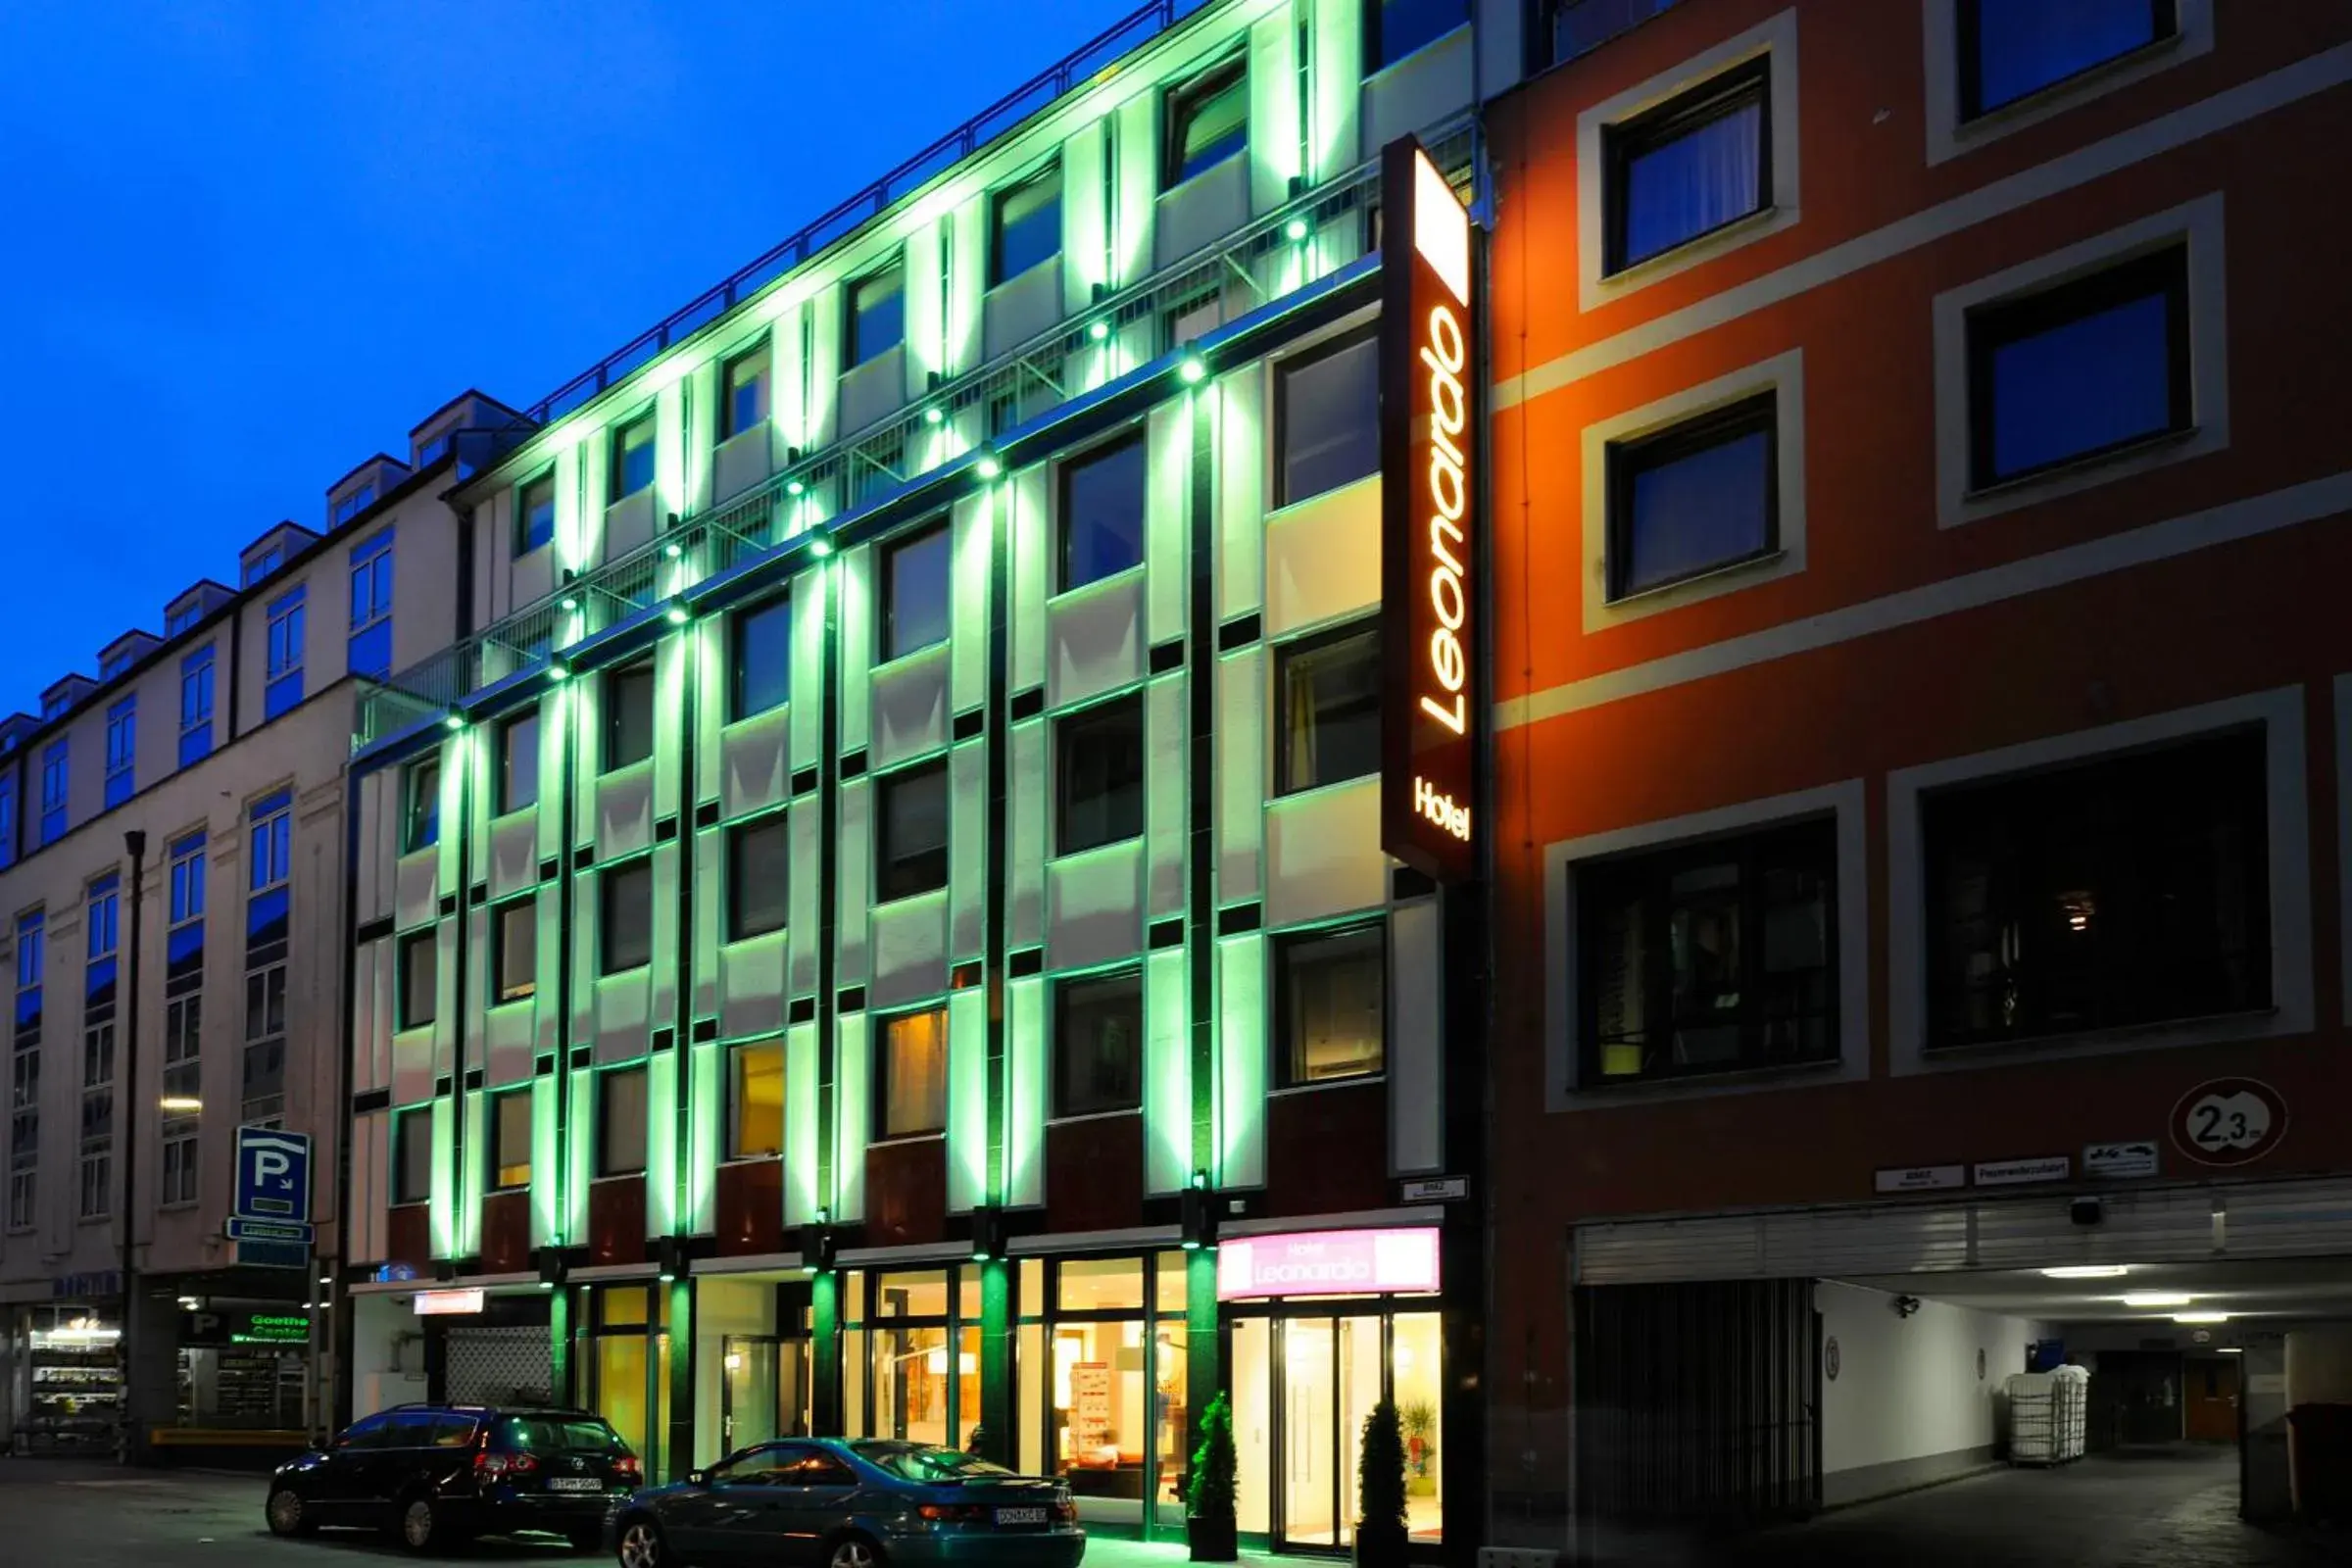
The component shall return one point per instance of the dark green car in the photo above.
(865, 1502)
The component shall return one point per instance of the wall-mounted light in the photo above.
(1098, 329)
(793, 487)
(934, 414)
(569, 604)
(1294, 230)
(1192, 369)
(988, 468)
(452, 722)
(557, 672)
(179, 1104)
(673, 550)
(676, 615)
(820, 546)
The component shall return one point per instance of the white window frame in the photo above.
(2292, 1009)
(1563, 1003)
(1775, 36)
(2199, 224)
(1783, 377)
(1949, 136)
(373, 560)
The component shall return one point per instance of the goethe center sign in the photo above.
(1429, 458)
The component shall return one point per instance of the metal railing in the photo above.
(1273, 255)
(1138, 28)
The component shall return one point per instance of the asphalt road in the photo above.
(56, 1514)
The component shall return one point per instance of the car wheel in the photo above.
(287, 1516)
(641, 1544)
(420, 1524)
(855, 1552)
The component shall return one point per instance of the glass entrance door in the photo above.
(746, 1406)
(1331, 1378)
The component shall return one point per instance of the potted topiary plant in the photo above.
(1381, 1534)
(1209, 1498)
(1420, 1422)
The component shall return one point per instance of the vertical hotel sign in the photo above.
(1429, 373)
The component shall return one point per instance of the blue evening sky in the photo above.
(250, 244)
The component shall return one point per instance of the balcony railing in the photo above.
(1138, 28)
(1273, 255)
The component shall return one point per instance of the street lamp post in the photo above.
(132, 1118)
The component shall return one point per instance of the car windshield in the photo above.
(558, 1434)
(919, 1461)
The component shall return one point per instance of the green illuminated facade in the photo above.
(913, 816)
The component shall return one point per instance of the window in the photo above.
(121, 750)
(1103, 513)
(1331, 1003)
(1098, 759)
(911, 1073)
(1327, 416)
(518, 781)
(273, 840)
(511, 1140)
(187, 879)
(432, 451)
(1209, 121)
(877, 313)
(1694, 498)
(1326, 694)
(914, 592)
(755, 1100)
(53, 779)
(535, 515)
(629, 715)
(263, 564)
(112, 665)
(195, 707)
(359, 501)
(914, 821)
(420, 820)
(8, 818)
(633, 456)
(758, 855)
(620, 1122)
(2011, 49)
(761, 677)
(2076, 371)
(743, 402)
(264, 1064)
(413, 1156)
(1024, 226)
(1709, 957)
(1099, 1045)
(97, 1120)
(626, 929)
(372, 605)
(419, 977)
(182, 620)
(283, 668)
(514, 964)
(2125, 891)
(1688, 167)
(1395, 29)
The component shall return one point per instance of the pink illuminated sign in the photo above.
(1327, 1264)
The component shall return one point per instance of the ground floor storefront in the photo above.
(1090, 1363)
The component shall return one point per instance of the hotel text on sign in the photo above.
(1327, 1264)
(1429, 373)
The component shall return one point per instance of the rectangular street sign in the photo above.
(2016, 1172)
(1435, 1189)
(270, 1230)
(2135, 1158)
(274, 1175)
(1922, 1178)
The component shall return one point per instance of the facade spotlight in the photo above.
(1098, 329)
(1294, 230)
(989, 466)
(821, 545)
(1192, 371)
(558, 672)
(793, 487)
(452, 722)
(676, 615)
(570, 604)
(934, 414)
(673, 550)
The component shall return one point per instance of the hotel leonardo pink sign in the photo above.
(1327, 1264)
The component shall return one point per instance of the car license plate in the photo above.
(574, 1483)
(1020, 1516)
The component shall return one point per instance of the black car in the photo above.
(436, 1475)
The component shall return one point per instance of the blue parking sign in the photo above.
(274, 1175)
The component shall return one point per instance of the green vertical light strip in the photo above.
(996, 1360)
(443, 1208)
(677, 1442)
(1203, 1367)
(559, 1346)
(852, 1114)
(547, 1181)
(662, 1144)
(471, 1173)
(1335, 79)
(824, 1354)
(583, 1157)
(1241, 1061)
(1024, 1091)
(1168, 1072)
(968, 1100)
(708, 1108)
(800, 1197)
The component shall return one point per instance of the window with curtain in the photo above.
(626, 922)
(419, 977)
(912, 822)
(2091, 367)
(413, 1156)
(511, 1140)
(518, 779)
(755, 1100)
(1688, 167)
(1710, 956)
(1099, 1045)
(910, 1071)
(1327, 709)
(1331, 1003)
(2012, 49)
(1098, 755)
(515, 937)
(420, 826)
(1692, 497)
(629, 715)
(759, 858)
(620, 1122)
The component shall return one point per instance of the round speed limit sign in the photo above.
(2230, 1121)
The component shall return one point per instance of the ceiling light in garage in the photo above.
(2200, 1317)
(2087, 1271)
(2158, 1298)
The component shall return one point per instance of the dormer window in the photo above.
(359, 501)
(179, 621)
(431, 452)
(263, 564)
(114, 666)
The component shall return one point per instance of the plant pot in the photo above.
(1381, 1546)
(1211, 1540)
